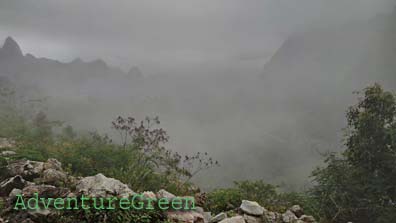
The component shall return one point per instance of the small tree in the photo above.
(371, 139)
(193, 165)
(360, 185)
(150, 159)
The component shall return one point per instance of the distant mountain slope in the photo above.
(315, 72)
(343, 57)
(41, 72)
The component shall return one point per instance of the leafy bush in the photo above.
(265, 194)
(141, 160)
(223, 200)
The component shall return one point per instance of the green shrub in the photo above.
(223, 200)
(265, 194)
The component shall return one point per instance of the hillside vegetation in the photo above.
(356, 185)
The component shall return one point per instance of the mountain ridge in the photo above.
(14, 62)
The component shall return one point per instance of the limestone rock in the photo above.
(45, 191)
(307, 219)
(102, 186)
(289, 217)
(185, 217)
(272, 217)
(199, 210)
(54, 177)
(53, 164)
(297, 210)
(149, 194)
(15, 192)
(26, 168)
(165, 194)
(252, 219)
(218, 217)
(236, 219)
(207, 216)
(252, 208)
(8, 185)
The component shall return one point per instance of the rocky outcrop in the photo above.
(29, 170)
(16, 182)
(272, 217)
(165, 194)
(307, 218)
(185, 217)
(49, 180)
(289, 217)
(46, 191)
(297, 210)
(27, 178)
(236, 219)
(252, 208)
(14, 193)
(49, 172)
(218, 217)
(54, 177)
(252, 212)
(101, 186)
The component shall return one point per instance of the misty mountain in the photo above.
(39, 73)
(335, 57)
(317, 69)
(229, 115)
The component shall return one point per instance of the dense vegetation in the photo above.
(357, 185)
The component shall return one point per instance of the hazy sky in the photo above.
(168, 33)
(267, 134)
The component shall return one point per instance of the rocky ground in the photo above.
(48, 179)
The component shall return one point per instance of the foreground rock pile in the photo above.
(48, 179)
(252, 212)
